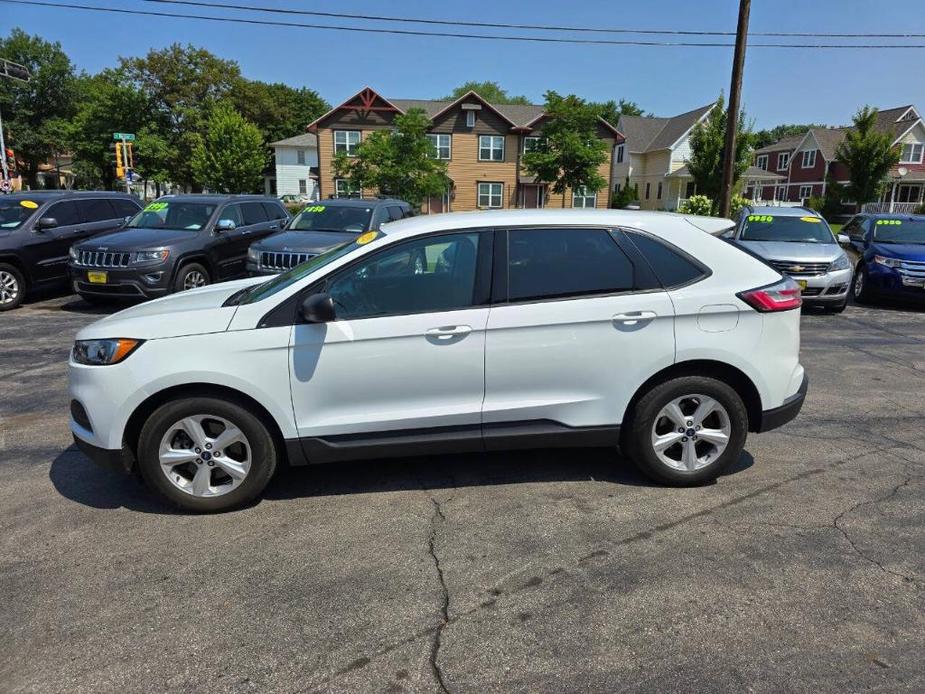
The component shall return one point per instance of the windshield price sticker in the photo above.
(314, 208)
(29, 205)
(889, 222)
(811, 220)
(363, 239)
(156, 207)
(763, 218)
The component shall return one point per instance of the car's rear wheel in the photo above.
(861, 289)
(191, 276)
(687, 430)
(12, 287)
(206, 454)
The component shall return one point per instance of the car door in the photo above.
(277, 215)
(403, 363)
(47, 249)
(229, 249)
(581, 325)
(99, 216)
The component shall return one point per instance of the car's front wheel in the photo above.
(12, 287)
(206, 454)
(687, 430)
(191, 276)
(861, 289)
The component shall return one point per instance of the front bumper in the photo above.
(778, 416)
(116, 461)
(255, 270)
(136, 282)
(830, 288)
(888, 281)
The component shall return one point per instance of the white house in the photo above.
(296, 167)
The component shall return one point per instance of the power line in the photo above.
(536, 27)
(456, 35)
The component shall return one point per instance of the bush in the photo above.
(921, 209)
(697, 204)
(626, 195)
(736, 205)
(816, 203)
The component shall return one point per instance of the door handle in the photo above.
(634, 317)
(448, 332)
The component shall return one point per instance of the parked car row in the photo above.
(107, 246)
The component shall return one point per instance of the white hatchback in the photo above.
(445, 334)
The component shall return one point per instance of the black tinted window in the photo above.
(65, 212)
(395, 213)
(432, 274)
(124, 208)
(548, 263)
(254, 213)
(672, 268)
(96, 210)
(274, 211)
(233, 212)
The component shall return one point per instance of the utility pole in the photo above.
(732, 116)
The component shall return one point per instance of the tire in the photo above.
(190, 276)
(12, 287)
(861, 290)
(708, 460)
(183, 430)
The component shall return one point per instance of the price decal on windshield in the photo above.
(29, 205)
(763, 218)
(889, 222)
(363, 239)
(156, 207)
(314, 208)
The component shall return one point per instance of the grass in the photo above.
(836, 228)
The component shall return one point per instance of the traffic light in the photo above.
(11, 161)
(120, 167)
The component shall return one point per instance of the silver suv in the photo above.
(798, 242)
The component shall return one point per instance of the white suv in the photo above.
(446, 334)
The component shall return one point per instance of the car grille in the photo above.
(103, 259)
(282, 261)
(913, 269)
(795, 267)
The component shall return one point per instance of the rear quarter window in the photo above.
(671, 267)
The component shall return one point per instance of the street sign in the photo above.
(127, 137)
(6, 186)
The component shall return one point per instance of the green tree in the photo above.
(34, 112)
(280, 111)
(397, 162)
(230, 157)
(570, 152)
(763, 138)
(492, 92)
(868, 154)
(182, 86)
(708, 144)
(627, 195)
(611, 110)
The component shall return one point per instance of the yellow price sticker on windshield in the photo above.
(764, 218)
(811, 220)
(156, 207)
(889, 222)
(363, 239)
(314, 208)
(29, 205)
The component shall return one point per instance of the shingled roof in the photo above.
(519, 114)
(649, 134)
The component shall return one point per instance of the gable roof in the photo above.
(785, 144)
(303, 140)
(650, 134)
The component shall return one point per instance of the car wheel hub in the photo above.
(691, 432)
(193, 280)
(9, 288)
(205, 455)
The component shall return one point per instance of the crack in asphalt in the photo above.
(438, 518)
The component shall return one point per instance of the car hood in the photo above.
(784, 250)
(193, 312)
(905, 251)
(135, 239)
(304, 241)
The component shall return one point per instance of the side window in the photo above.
(233, 212)
(432, 274)
(66, 212)
(274, 211)
(124, 208)
(672, 268)
(96, 210)
(254, 213)
(552, 263)
(395, 213)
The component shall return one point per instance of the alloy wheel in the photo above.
(691, 432)
(205, 455)
(194, 279)
(9, 287)
(859, 282)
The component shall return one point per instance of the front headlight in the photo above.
(104, 352)
(158, 256)
(889, 262)
(253, 255)
(841, 263)
(72, 252)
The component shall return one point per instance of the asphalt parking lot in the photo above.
(548, 571)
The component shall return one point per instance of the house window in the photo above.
(620, 154)
(442, 144)
(470, 119)
(809, 158)
(691, 189)
(583, 197)
(343, 189)
(806, 192)
(912, 154)
(491, 194)
(491, 147)
(300, 156)
(762, 161)
(303, 186)
(530, 143)
(648, 189)
(781, 192)
(783, 161)
(346, 141)
(616, 187)
(658, 191)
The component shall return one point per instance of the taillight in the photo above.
(780, 296)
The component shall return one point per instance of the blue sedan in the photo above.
(889, 255)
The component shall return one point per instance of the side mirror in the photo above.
(46, 223)
(225, 225)
(318, 308)
(843, 239)
(128, 219)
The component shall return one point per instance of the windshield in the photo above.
(766, 227)
(15, 213)
(174, 215)
(899, 231)
(261, 291)
(332, 218)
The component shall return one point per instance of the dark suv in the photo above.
(320, 226)
(37, 228)
(177, 242)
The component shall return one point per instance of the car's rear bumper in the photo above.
(778, 416)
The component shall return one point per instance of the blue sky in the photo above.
(780, 85)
